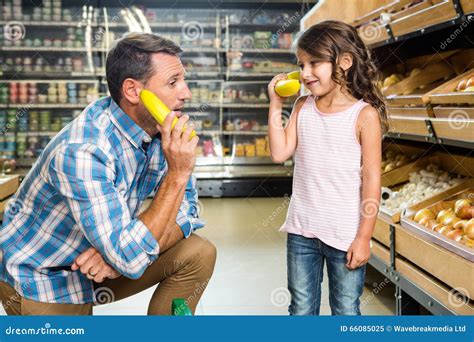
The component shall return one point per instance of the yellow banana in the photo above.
(289, 87)
(158, 109)
(294, 75)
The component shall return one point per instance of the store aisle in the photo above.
(250, 274)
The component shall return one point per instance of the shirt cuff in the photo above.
(188, 224)
(144, 239)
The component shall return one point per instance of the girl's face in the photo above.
(315, 75)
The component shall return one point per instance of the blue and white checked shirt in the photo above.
(86, 189)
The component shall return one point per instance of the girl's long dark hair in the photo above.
(327, 41)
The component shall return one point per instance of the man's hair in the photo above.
(131, 57)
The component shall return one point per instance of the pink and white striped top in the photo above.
(326, 198)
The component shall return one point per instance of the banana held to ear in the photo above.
(289, 87)
(158, 109)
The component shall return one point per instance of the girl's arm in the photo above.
(370, 130)
(282, 140)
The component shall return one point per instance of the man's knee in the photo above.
(206, 252)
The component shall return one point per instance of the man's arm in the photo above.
(83, 176)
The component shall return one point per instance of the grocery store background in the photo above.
(52, 61)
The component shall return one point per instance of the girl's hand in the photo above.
(358, 253)
(274, 97)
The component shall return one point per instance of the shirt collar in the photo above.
(134, 133)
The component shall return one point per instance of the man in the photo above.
(73, 232)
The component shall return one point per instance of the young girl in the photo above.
(335, 134)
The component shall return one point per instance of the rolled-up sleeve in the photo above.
(188, 214)
(84, 176)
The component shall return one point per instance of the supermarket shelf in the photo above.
(230, 160)
(49, 23)
(250, 105)
(252, 74)
(245, 133)
(198, 73)
(241, 171)
(208, 132)
(50, 75)
(269, 27)
(45, 105)
(201, 106)
(276, 51)
(48, 49)
(38, 134)
(49, 81)
(161, 25)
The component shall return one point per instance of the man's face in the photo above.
(168, 81)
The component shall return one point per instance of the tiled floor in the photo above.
(250, 274)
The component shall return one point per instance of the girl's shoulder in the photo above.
(368, 113)
(300, 101)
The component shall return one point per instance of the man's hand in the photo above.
(93, 266)
(179, 150)
(358, 253)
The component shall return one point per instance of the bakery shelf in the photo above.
(463, 113)
(446, 94)
(426, 16)
(374, 32)
(411, 111)
(467, 6)
(448, 267)
(459, 129)
(411, 126)
(382, 232)
(451, 163)
(435, 237)
(429, 291)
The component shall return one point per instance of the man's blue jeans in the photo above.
(306, 259)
